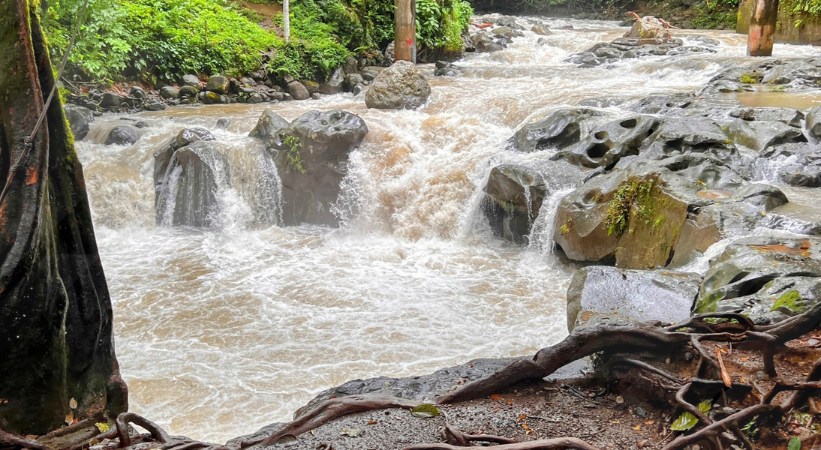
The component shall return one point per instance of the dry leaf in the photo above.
(496, 397)
(72, 403)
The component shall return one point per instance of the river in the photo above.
(219, 332)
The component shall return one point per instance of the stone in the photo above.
(189, 91)
(541, 29)
(766, 278)
(813, 123)
(334, 84)
(169, 92)
(793, 164)
(352, 80)
(136, 92)
(400, 86)
(211, 98)
(111, 101)
(187, 193)
(313, 163)
(606, 294)
(79, 119)
(558, 130)
(122, 135)
(760, 135)
(369, 73)
(446, 69)
(218, 84)
(298, 91)
(269, 128)
(154, 106)
(162, 157)
(191, 80)
(484, 43)
(513, 198)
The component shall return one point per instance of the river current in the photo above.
(222, 331)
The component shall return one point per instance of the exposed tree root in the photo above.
(546, 444)
(456, 437)
(18, 441)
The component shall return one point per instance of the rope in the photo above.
(28, 142)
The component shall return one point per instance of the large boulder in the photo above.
(401, 86)
(763, 277)
(334, 84)
(558, 130)
(601, 293)
(650, 28)
(269, 128)
(79, 118)
(218, 84)
(313, 162)
(188, 194)
(163, 156)
(647, 214)
(298, 91)
(122, 135)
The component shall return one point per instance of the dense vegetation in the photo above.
(153, 40)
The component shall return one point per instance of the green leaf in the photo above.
(687, 421)
(795, 444)
(426, 411)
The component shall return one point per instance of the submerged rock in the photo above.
(122, 135)
(607, 294)
(765, 278)
(400, 86)
(313, 162)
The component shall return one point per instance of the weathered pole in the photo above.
(286, 19)
(405, 25)
(762, 28)
(57, 359)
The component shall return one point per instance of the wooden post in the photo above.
(762, 28)
(286, 19)
(405, 24)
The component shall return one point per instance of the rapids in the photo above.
(220, 332)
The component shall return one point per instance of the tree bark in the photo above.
(762, 28)
(286, 19)
(56, 336)
(405, 25)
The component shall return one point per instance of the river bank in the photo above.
(419, 231)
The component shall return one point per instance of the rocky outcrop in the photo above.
(793, 164)
(765, 278)
(270, 127)
(651, 214)
(187, 194)
(122, 135)
(400, 86)
(606, 294)
(632, 48)
(312, 163)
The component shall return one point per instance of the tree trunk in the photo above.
(286, 19)
(762, 28)
(56, 336)
(405, 25)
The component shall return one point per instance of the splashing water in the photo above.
(222, 331)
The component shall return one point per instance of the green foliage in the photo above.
(440, 23)
(426, 411)
(794, 444)
(292, 153)
(790, 301)
(811, 7)
(709, 303)
(687, 420)
(633, 192)
(152, 39)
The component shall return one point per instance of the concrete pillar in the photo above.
(762, 28)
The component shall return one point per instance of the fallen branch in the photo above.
(7, 438)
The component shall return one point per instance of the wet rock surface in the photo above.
(766, 278)
(312, 163)
(599, 294)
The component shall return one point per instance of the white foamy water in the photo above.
(220, 332)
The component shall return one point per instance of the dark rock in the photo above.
(558, 130)
(369, 73)
(270, 128)
(446, 69)
(111, 100)
(334, 84)
(813, 123)
(352, 80)
(606, 294)
(218, 84)
(313, 162)
(162, 157)
(187, 192)
(400, 86)
(484, 43)
(79, 118)
(513, 198)
(298, 91)
(154, 106)
(222, 123)
(136, 92)
(351, 65)
(255, 98)
(358, 89)
(169, 92)
(761, 135)
(793, 164)
(122, 135)
(604, 145)
(765, 278)
(791, 117)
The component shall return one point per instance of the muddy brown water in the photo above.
(222, 331)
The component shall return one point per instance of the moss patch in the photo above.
(789, 301)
